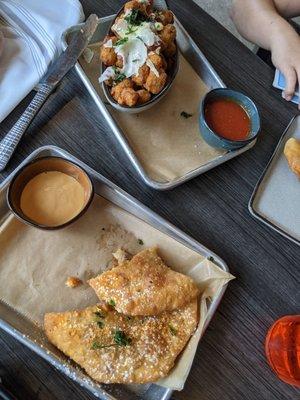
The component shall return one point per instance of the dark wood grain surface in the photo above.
(230, 362)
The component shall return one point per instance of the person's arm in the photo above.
(262, 22)
(288, 8)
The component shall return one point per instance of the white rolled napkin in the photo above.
(30, 39)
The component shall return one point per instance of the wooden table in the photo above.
(230, 362)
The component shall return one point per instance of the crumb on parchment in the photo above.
(121, 255)
(73, 282)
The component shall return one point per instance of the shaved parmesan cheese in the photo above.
(107, 74)
(145, 33)
(133, 45)
(109, 44)
(120, 27)
(152, 67)
(134, 55)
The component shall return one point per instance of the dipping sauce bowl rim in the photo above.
(230, 97)
(28, 221)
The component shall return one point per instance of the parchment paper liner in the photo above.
(167, 144)
(35, 264)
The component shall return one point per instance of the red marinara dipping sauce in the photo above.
(228, 119)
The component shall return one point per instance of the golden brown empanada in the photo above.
(114, 348)
(144, 286)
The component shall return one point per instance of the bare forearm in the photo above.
(288, 8)
(260, 21)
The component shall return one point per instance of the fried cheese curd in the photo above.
(151, 37)
(107, 54)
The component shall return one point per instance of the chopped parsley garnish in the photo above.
(112, 303)
(210, 258)
(186, 115)
(97, 346)
(99, 319)
(136, 60)
(130, 30)
(121, 41)
(173, 330)
(136, 17)
(119, 77)
(120, 339)
(140, 241)
(159, 26)
(100, 324)
(99, 314)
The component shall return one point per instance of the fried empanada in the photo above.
(144, 286)
(292, 154)
(114, 348)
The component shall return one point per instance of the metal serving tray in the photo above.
(33, 337)
(203, 68)
(275, 199)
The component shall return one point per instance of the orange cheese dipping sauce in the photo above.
(52, 198)
(228, 119)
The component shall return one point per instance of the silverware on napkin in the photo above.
(56, 72)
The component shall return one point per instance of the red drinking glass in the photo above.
(283, 349)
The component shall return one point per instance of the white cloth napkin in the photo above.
(31, 32)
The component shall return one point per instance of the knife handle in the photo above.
(12, 138)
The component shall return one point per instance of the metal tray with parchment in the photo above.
(33, 337)
(202, 67)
